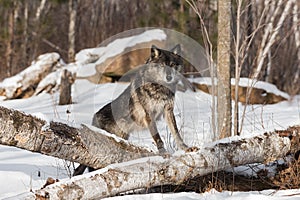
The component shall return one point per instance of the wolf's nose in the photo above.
(169, 77)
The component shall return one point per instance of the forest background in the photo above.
(31, 28)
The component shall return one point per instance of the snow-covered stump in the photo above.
(67, 79)
(154, 171)
(24, 83)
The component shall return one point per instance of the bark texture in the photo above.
(154, 171)
(81, 145)
(223, 69)
(98, 150)
(67, 79)
(73, 4)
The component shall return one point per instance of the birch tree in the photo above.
(81, 145)
(271, 31)
(271, 20)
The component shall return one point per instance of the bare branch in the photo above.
(211, 66)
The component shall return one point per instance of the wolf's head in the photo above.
(170, 62)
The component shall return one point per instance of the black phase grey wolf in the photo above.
(150, 95)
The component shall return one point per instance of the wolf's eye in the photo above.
(178, 67)
(173, 65)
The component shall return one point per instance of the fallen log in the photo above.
(136, 167)
(257, 95)
(82, 145)
(155, 171)
(23, 84)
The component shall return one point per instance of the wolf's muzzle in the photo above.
(169, 77)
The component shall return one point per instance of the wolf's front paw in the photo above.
(183, 146)
(163, 152)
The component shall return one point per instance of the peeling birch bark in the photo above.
(82, 145)
(98, 150)
(155, 171)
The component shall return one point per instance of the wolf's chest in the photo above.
(149, 100)
(156, 93)
(153, 98)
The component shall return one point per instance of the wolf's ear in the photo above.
(176, 50)
(155, 52)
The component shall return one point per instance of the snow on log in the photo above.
(257, 95)
(99, 149)
(82, 145)
(155, 171)
(24, 84)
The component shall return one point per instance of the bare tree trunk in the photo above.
(72, 29)
(242, 45)
(296, 26)
(223, 69)
(25, 34)
(10, 40)
(297, 38)
(40, 10)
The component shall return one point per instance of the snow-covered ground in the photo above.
(21, 171)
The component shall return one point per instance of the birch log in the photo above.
(23, 84)
(97, 150)
(154, 171)
(81, 145)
